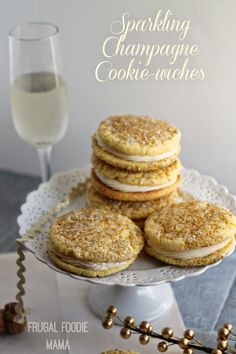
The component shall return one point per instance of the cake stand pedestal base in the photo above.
(137, 301)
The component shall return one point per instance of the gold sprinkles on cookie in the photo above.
(94, 242)
(192, 233)
(138, 135)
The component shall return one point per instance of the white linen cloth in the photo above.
(54, 297)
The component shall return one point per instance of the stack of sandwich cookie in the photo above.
(135, 159)
(94, 242)
(192, 233)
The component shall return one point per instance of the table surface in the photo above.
(206, 302)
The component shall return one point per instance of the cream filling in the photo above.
(189, 254)
(88, 264)
(112, 183)
(136, 158)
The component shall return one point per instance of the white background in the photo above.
(205, 111)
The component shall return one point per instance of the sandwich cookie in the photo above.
(192, 233)
(103, 154)
(94, 242)
(116, 190)
(137, 139)
(128, 181)
(137, 211)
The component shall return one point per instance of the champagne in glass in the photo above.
(39, 94)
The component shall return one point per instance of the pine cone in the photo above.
(9, 313)
(3, 327)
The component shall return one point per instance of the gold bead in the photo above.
(167, 332)
(183, 343)
(107, 323)
(144, 326)
(228, 326)
(144, 339)
(216, 351)
(222, 345)
(112, 311)
(150, 329)
(162, 347)
(223, 333)
(188, 351)
(129, 321)
(189, 334)
(125, 333)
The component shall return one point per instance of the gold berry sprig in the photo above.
(188, 343)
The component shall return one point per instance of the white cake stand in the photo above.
(143, 288)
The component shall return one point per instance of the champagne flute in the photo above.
(39, 96)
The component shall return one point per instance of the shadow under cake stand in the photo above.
(143, 289)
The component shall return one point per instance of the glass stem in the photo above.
(45, 162)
